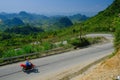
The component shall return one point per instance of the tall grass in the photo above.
(27, 49)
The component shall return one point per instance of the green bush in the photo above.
(20, 52)
(28, 49)
(117, 37)
(117, 33)
(9, 53)
(95, 40)
(38, 48)
(47, 45)
(80, 42)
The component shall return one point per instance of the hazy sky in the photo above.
(53, 6)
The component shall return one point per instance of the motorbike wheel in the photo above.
(23, 70)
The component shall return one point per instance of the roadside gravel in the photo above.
(106, 70)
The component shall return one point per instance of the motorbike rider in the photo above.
(28, 63)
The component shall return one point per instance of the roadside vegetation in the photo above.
(19, 44)
(44, 46)
(117, 34)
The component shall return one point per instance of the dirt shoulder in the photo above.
(106, 70)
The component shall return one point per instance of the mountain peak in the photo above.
(23, 13)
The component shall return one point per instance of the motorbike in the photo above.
(25, 68)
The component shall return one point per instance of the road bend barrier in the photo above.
(10, 60)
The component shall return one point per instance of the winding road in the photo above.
(49, 67)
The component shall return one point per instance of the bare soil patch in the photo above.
(106, 70)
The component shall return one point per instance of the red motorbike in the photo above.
(25, 68)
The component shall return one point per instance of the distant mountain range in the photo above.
(8, 20)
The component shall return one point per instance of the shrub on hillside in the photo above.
(117, 37)
(117, 33)
(80, 42)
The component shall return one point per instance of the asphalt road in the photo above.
(58, 63)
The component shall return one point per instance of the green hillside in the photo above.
(104, 20)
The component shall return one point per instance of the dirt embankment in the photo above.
(106, 70)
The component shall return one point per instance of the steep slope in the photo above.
(107, 70)
(104, 20)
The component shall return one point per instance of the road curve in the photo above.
(53, 65)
